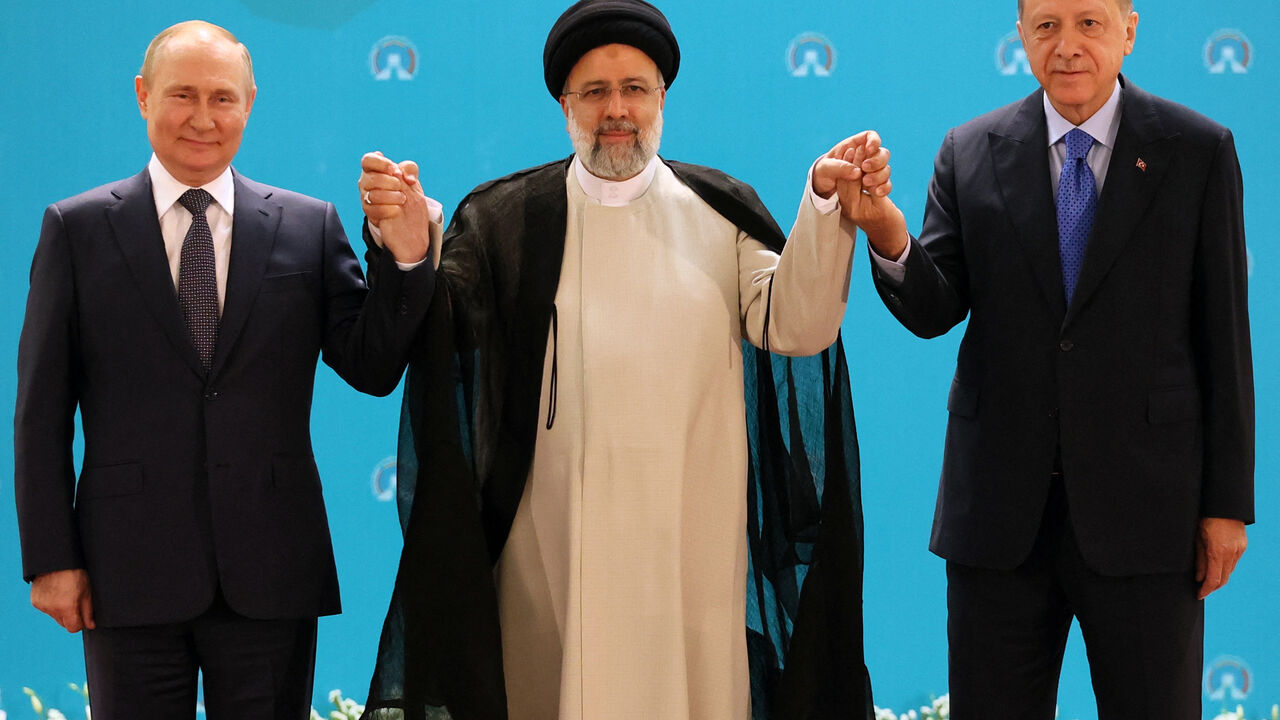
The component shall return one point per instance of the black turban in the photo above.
(588, 24)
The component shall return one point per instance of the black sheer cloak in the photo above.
(468, 424)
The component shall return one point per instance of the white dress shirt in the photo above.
(175, 219)
(1102, 126)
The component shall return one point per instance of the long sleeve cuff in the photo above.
(437, 222)
(824, 206)
(894, 270)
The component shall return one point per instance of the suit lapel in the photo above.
(253, 235)
(1142, 154)
(136, 229)
(1020, 156)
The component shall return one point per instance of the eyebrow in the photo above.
(624, 81)
(195, 90)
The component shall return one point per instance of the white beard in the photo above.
(616, 162)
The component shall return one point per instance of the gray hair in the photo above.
(1126, 6)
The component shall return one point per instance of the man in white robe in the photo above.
(621, 580)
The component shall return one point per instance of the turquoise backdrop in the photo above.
(764, 87)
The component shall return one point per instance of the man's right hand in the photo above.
(871, 209)
(64, 596)
(392, 199)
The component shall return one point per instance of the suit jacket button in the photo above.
(211, 394)
(1066, 345)
(1053, 414)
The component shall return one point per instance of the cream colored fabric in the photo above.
(622, 584)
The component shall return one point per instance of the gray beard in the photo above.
(616, 162)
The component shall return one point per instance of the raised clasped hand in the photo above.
(857, 169)
(393, 201)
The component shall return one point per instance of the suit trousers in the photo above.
(252, 669)
(1007, 629)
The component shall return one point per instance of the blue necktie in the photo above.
(1077, 203)
(197, 280)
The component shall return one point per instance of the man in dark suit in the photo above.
(182, 311)
(1099, 451)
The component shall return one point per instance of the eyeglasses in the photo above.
(631, 93)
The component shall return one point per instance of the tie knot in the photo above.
(1078, 144)
(197, 200)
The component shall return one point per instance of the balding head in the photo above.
(191, 30)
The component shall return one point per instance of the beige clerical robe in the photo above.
(622, 584)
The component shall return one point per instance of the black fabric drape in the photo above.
(468, 425)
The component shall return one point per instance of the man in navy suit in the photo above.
(182, 311)
(1100, 444)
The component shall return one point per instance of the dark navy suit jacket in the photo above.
(1144, 383)
(193, 482)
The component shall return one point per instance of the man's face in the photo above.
(196, 106)
(1075, 48)
(615, 139)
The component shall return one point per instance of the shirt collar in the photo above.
(613, 193)
(166, 189)
(1102, 126)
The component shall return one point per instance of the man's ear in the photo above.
(140, 89)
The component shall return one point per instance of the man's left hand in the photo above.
(1219, 545)
(870, 170)
(394, 202)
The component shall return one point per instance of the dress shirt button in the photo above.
(1066, 345)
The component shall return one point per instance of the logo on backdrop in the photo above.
(811, 54)
(1228, 52)
(393, 58)
(384, 479)
(1011, 57)
(1227, 679)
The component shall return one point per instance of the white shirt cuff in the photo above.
(895, 270)
(825, 206)
(436, 211)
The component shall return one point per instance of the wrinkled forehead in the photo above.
(614, 62)
(200, 48)
(1124, 6)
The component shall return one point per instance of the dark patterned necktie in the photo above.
(197, 278)
(1077, 203)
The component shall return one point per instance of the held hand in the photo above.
(858, 169)
(869, 206)
(832, 166)
(394, 202)
(408, 234)
(1219, 545)
(64, 596)
(381, 187)
(858, 158)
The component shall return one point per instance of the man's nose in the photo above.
(614, 106)
(201, 117)
(1068, 44)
